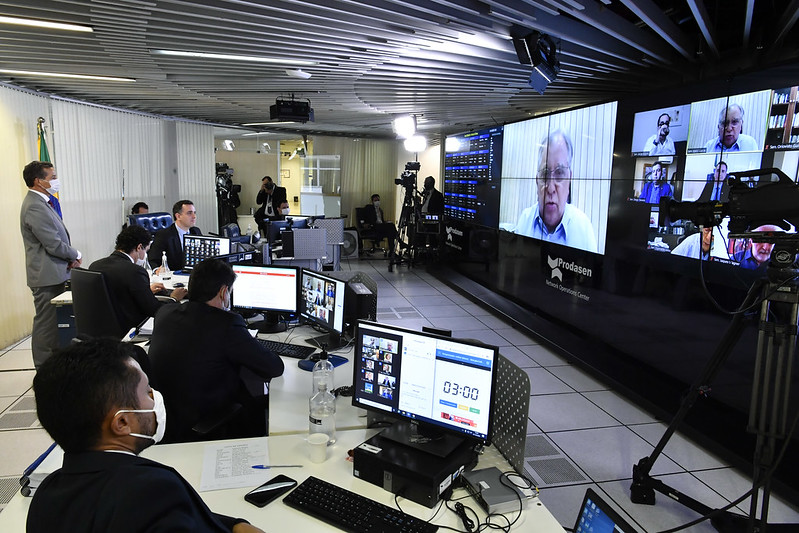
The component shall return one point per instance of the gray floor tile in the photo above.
(432, 300)
(679, 448)
(731, 484)
(476, 310)
(559, 412)
(17, 359)
(458, 323)
(543, 355)
(485, 335)
(577, 379)
(493, 322)
(619, 407)
(543, 382)
(516, 337)
(391, 301)
(440, 311)
(20, 448)
(517, 357)
(608, 454)
(564, 502)
(6, 401)
(16, 382)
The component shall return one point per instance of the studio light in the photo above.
(540, 51)
(452, 144)
(228, 145)
(416, 143)
(404, 126)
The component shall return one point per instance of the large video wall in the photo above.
(561, 215)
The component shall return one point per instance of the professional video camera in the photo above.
(408, 178)
(756, 198)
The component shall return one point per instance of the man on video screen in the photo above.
(757, 254)
(730, 138)
(660, 143)
(717, 189)
(553, 218)
(657, 185)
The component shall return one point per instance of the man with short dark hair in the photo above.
(198, 352)
(270, 196)
(95, 401)
(716, 189)
(374, 219)
(657, 185)
(49, 254)
(170, 240)
(139, 208)
(132, 294)
(660, 143)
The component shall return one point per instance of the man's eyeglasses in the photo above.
(558, 176)
(664, 123)
(735, 122)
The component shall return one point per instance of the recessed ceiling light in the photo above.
(231, 57)
(60, 75)
(268, 123)
(44, 24)
(298, 73)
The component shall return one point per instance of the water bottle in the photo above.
(165, 272)
(249, 229)
(322, 373)
(322, 413)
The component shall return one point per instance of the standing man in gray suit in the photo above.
(48, 254)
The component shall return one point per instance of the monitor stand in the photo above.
(328, 341)
(424, 438)
(270, 324)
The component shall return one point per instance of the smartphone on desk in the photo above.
(271, 490)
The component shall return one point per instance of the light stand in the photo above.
(769, 402)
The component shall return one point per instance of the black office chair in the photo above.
(95, 315)
(367, 233)
(233, 232)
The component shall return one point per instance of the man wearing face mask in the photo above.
(284, 210)
(106, 419)
(203, 358)
(132, 294)
(373, 218)
(48, 254)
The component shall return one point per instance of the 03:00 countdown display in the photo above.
(464, 390)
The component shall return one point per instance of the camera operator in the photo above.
(373, 219)
(432, 204)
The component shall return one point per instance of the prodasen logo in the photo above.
(553, 264)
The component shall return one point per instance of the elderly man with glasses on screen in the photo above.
(553, 218)
(730, 138)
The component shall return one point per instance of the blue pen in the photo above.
(267, 467)
(35, 464)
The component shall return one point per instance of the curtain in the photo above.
(197, 172)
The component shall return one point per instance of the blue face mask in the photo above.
(160, 417)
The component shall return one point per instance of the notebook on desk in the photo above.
(596, 516)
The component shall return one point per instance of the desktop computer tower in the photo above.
(408, 472)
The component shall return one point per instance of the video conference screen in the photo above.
(322, 300)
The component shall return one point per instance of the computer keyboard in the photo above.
(350, 511)
(295, 351)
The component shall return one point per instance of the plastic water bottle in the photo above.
(249, 229)
(165, 272)
(322, 373)
(322, 413)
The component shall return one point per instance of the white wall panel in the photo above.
(197, 172)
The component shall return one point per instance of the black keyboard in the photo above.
(350, 511)
(295, 351)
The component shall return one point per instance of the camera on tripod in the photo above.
(408, 178)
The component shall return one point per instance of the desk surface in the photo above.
(291, 449)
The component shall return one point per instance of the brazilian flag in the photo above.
(41, 142)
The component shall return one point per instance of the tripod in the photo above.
(406, 237)
(768, 413)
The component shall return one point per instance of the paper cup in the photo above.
(317, 447)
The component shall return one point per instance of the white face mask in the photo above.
(226, 302)
(55, 186)
(160, 417)
(376, 203)
(285, 211)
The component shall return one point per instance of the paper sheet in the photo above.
(229, 466)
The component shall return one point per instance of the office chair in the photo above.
(95, 315)
(233, 232)
(152, 222)
(367, 233)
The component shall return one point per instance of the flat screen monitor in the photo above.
(322, 304)
(274, 227)
(271, 290)
(432, 381)
(197, 248)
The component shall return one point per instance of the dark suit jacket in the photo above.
(100, 492)
(197, 353)
(707, 192)
(47, 246)
(167, 239)
(278, 197)
(436, 205)
(370, 215)
(129, 288)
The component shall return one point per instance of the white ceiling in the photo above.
(450, 61)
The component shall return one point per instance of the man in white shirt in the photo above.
(730, 139)
(660, 143)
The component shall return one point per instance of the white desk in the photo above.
(289, 394)
(291, 449)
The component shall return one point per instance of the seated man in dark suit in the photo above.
(109, 416)
(203, 358)
(373, 219)
(132, 294)
(170, 240)
(432, 204)
(270, 197)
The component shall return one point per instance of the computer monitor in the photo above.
(275, 227)
(271, 290)
(441, 388)
(197, 248)
(322, 304)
